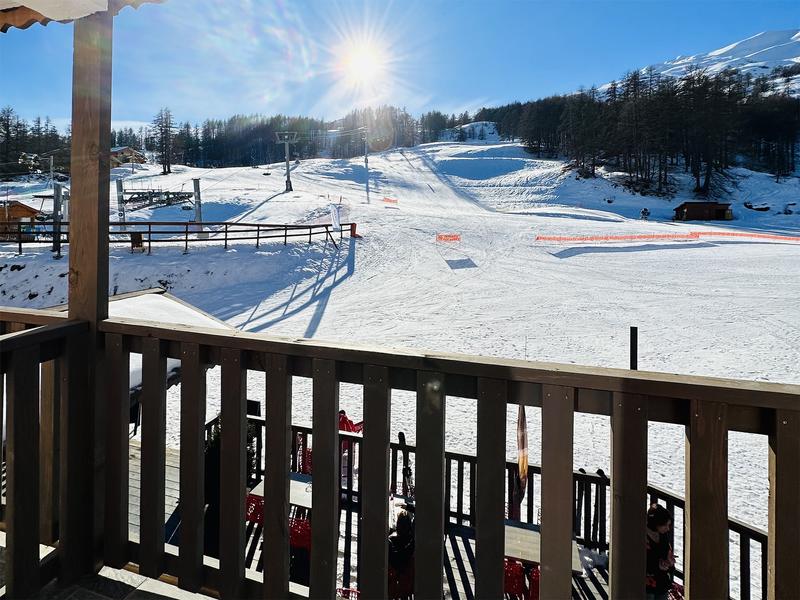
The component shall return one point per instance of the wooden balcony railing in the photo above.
(708, 407)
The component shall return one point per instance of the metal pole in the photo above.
(366, 158)
(634, 348)
(120, 203)
(286, 155)
(52, 179)
(57, 220)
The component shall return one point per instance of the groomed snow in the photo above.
(718, 306)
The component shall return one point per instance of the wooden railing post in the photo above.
(117, 457)
(784, 506)
(22, 515)
(192, 475)
(49, 450)
(429, 491)
(628, 496)
(706, 514)
(278, 413)
(325, 492)
(374, 482)
(558, 404)
(233, 475)
(490, 530)
(153, 462)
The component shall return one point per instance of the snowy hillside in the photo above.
(723, 305)
(479, 131)
(757, 55)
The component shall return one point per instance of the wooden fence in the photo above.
(708, 407)
(141, 235)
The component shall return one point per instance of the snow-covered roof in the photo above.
(24, 13)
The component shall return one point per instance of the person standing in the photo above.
(660, 559)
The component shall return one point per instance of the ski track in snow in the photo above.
(716, 307)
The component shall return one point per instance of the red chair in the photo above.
(514, 579)
(533, 584)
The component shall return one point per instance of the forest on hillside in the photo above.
(644, 125)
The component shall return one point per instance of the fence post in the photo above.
(186, 240)
(258, 233)
(226, 235)
(309, 236)
(149, 238)
(285, 234)
(19, 236)
(634, 348)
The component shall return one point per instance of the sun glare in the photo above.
(363, 64)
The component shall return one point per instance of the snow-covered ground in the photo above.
(709, 306)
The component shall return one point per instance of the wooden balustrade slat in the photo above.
(50, 407)
(556, 530)
(154, 432)
(784, 505)
(491, 456)
(744, 567)
(117, 459)
(706, 512)
(233, 477)
(76, 488)
(192, 473)
(22, 461)
(374, 483)
(325, 492)
(429, 461)
(628, 496)
(279, 441)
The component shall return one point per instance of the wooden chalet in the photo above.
(67, 405)
(121, 155)
(15, 217)
(703, 211)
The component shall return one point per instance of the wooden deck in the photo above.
(459, 564)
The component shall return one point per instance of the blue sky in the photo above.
(215, 58)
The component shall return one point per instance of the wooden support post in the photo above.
(117, 457)
(192, 483)
(430, 489)
(83, 437)
(373, 568)
(628, 496)
(225, 226)
(558, 404)
(153, 468)
(706, 510)
(233, 478)
(490, 530)
(784, 506)
(22, 516)
(325, 493)
(50, 406)
(278, 413)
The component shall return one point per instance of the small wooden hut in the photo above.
(703, 211)
(12, 214)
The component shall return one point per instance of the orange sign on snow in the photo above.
(390, 200)
(448, 237)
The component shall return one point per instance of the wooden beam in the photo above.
(375, 483)
(430, 486)
(192, 475)
(154, 437)
(22, 516)
(325, 492)
(50, 407)
(557, 433)
(91, 168)
(706, 510)
(233, 474)
(784, 506)
(278, 445)
(490, 488)
(629, 496)
(117, 458)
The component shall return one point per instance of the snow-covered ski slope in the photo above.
(711, 306)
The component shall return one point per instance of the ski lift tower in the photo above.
(287, 137)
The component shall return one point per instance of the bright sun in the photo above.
(363, 65)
